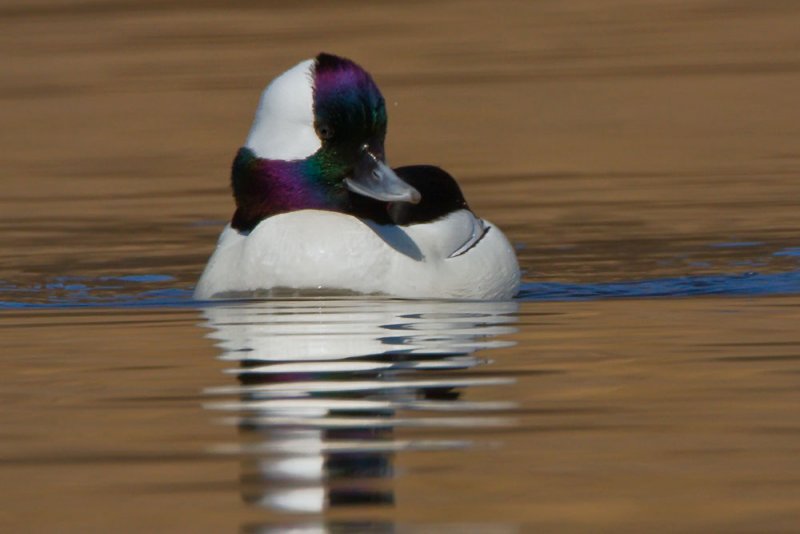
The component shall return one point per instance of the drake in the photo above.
(318, 208)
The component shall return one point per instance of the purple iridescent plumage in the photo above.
(265, 187)
(339, 84)
(345, 93)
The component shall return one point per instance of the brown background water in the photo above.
(647, 149)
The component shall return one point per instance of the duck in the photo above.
(319, 211)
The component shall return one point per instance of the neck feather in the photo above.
(264, 187)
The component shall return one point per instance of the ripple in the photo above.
(158, 290)
(747, 284)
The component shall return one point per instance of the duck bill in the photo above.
(373, 178)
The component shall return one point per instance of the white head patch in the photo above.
(284, 124)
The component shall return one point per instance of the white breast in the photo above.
(458, 256)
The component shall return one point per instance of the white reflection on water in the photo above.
(322, 386)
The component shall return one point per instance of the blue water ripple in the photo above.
(148, 290)
(737, 244)
(792, 251)
(746, 284)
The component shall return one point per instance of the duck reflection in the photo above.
(324, 384)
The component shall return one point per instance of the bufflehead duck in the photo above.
(317, 207)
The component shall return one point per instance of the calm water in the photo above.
(643, 159)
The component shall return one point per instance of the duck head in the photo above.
(318, 134)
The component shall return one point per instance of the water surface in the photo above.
(642, 158)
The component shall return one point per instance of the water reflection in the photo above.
(323, 385)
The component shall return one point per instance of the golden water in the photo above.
(645, 150)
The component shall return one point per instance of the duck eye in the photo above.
(324, 131)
